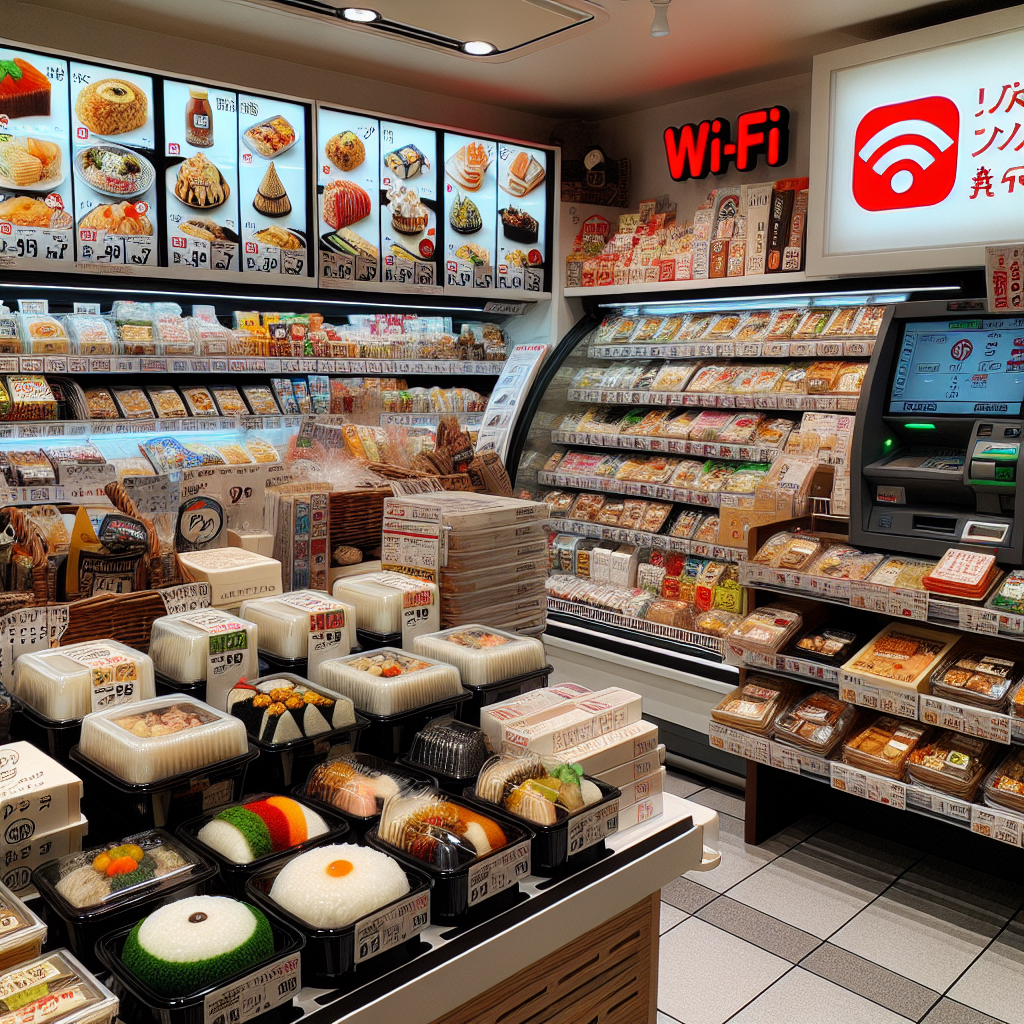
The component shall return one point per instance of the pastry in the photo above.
(271, 199)
(200, 184)
(270, 137)
(345, 203)
(406, 162)
(207, 229)
(468, 165)
(345, 151)
(112, 106)
(408, 215)
(519, 226)
(24, 90)
(278, 236)
(33, 213)
(525, 173)
(464, 216)
(118, 219)
(28, 161)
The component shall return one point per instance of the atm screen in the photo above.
(960, 368)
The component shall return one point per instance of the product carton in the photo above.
(614, 748)
(37, 793)
(634, 771)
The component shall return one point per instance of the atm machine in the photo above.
(938, 435)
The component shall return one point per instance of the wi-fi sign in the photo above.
(905, 154)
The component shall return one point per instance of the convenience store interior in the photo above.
(711, 441)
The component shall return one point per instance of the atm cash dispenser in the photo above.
(938, 435)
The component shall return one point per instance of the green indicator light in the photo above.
(887, 444)
(919, 426)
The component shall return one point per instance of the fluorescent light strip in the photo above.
(777, 301)
(437, 310)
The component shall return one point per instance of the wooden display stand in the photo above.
(607, 976)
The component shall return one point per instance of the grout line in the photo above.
(669, 1015)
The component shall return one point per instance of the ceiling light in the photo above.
(478, 48)
(659, 27)
(361, 14)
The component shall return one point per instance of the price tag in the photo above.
(735, 741)
(1006, 828)
(188, 251)
(588, 829)
(255, 994)
(293, 262)
(902, 703)
(483, 277)
(380, 932)
(365, 268)
(908, 604)
(879, 790)
(987, 725)
(139, 251)
(262, 259)
(978, 620)
(115, 676)
(498, 873)
(938, 803)
(185, 598)
(398, 270)
(836, 590)
(811, 669)
(869, 596)
(786, 758)
(532, 279)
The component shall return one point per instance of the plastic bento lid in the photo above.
(388, 681)
(450, 747)
(544, 791)
(434, 829)
(281, 709)
(55, 987)
(159, 738)
(19, 924)
(356, 784)
(107, 877)
(286, 620)
(483, 654)
(180, 644)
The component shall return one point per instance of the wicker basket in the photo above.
(44, 572)
(153, 571)
(125, 617)
(356, 518)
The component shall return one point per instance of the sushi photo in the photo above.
(345, 150)
(200, 184)
(344, 203)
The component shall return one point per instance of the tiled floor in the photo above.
(827, 924)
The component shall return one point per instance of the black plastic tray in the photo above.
(454, 784)
(54, 736)
(370, 641)
(296, 666)
(390, 736)
(140, 1004)
(234, 875)
(503, 689)
(551, 853)
(360, 826)
(163, 804)
(451, 894)
(84, 927)
(329, 955)
(172, 688)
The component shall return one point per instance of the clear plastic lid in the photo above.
(243, 833)
(951, 762)
(543, 791)
(55, 987)
(69, 682)
(159, 738)
(1010, 595)
(818, 722)
(286, 620)
(1004, 786)
(974, 676)
(883, 745)
(768, 628)
(357, 784)
(380, 597)
(901, 655)
(180, 644)
(20, 927)
(388, 681)
(827, 644)
(280, 709)
(106, 877)
(437, 830)
(481, 654)
(450, 747)
(754, 704)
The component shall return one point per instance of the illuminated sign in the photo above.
(697, 150)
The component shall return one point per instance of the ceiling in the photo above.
(611, 68)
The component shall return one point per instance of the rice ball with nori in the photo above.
(332, 886)
(188, 945)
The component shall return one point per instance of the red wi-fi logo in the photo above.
(905, 154)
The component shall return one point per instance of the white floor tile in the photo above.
(994, 984)
(682, 785)
(725, 801)
(670, 917)
(738, 859)
(804, 998)
(706, 975)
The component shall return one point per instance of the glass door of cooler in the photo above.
(656, 429)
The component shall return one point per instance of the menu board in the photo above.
(36, 221)
(471, 211)
(114, 146)
(200, 176)
(409, 235)
(273, 184)
(348, 195)
(522, 216)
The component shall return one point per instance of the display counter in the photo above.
(505, 969)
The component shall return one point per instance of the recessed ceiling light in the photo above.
(478, 48)
(363, 14)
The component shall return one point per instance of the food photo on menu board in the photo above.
(408, 204)
(272, 186)
(200, 176)
(348, 179)
(36, 204)
(471, 209)
(115, 182)
(522, 216)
